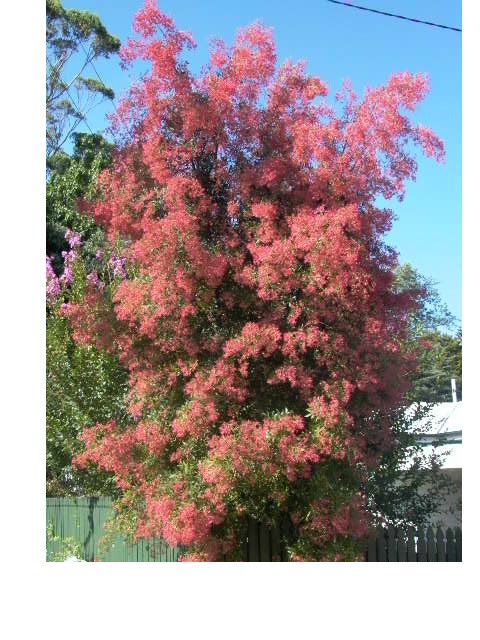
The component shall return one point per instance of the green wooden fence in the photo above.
(83, 518)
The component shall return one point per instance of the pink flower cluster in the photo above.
(95, 281)
(53, 282)
(117, 264)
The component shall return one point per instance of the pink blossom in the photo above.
(94, 280)
(72, 238)
(53, 284)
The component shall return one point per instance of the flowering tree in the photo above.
(251, 298)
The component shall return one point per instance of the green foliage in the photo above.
(439, 352)
(439, 360)
(69, 547)
(432, 313)
(73, 177)
(72, 33)
(84, 386)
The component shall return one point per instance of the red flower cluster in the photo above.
(258, 322)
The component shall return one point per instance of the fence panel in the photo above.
(451, 551)
(391, 544)
(253, 542)
(265, 545)
(431, 546)
(83, 520)
(421, 546)
(458, 543)
(381, 547)
(440, 546)
(372, 548)
(402, 546)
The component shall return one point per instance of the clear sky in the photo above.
(340, 42)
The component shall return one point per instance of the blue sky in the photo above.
(340, 42)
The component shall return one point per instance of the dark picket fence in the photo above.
(394, 544)
(83, 518)
(264, 544)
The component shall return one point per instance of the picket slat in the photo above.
(411, 550)
(253, 546)
(441, 555)
(391, 545)
(431, 546)
(458, 544)
(401, 546)
(421, 546)
(451, 555)
(275, 539)
(381, 546)
(265, 547)
(372, 548)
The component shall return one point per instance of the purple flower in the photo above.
(67, 275)
(68, 257)
(68, 260)
(72, 238)
(53, 284)
(98, 254)
(94, 280)
(117, 264)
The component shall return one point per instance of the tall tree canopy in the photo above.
(249, 293)
(434, 333)
(74, 40)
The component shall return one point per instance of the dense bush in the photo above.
(249, 294)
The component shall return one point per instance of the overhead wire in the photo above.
(82, 118)
(83, 115)
(346, 4)
(95, 69)
(395, 15)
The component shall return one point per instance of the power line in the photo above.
(82, 117)
(90, 62)
(394, 15)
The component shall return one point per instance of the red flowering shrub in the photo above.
(254, 313)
